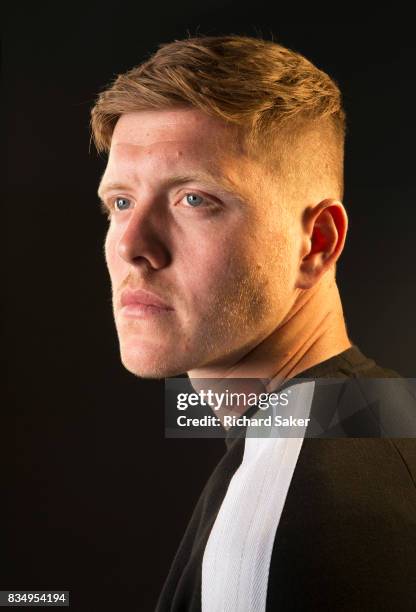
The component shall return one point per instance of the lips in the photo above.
(140, 297)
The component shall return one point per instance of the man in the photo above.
(224, 190)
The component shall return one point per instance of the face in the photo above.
(200, 248)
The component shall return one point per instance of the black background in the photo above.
(101, 498)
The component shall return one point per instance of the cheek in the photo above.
(109, 247)
(113, 261)
(224, 282)
(206, 263)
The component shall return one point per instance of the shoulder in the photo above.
(356, 397)
(346, 534)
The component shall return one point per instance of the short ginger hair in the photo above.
(276, 98)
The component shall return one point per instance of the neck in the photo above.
(313, 330)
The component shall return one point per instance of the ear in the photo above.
(324, 228)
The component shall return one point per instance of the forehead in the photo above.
(163, 141)
(185, 132)
(146, 128)
(156, 147)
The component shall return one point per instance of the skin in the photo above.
(248, 274)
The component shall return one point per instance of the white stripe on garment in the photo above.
(235, 567)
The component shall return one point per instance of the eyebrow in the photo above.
(112, 186)
(221, 184)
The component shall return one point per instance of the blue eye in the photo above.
(121, 203)
(194, 200)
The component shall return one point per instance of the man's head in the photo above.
(223, 183)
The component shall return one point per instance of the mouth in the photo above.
(140, 303)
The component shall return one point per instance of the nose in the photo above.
(143, 239)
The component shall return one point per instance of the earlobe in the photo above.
(325, 227)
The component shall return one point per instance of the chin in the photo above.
(156, 366)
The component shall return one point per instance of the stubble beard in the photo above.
(236, 317)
